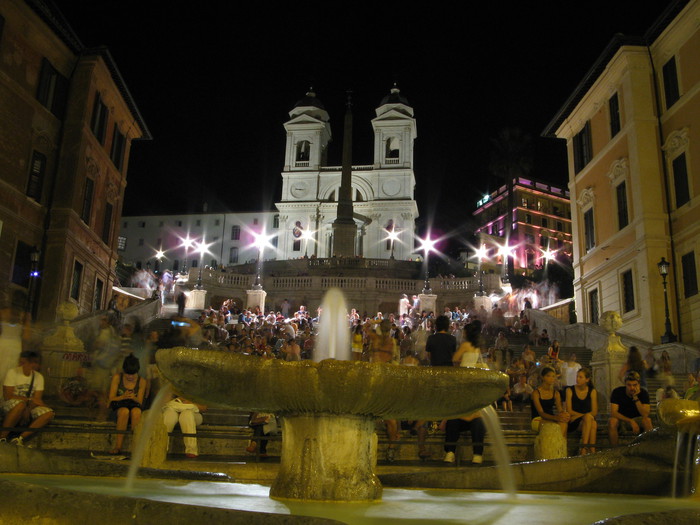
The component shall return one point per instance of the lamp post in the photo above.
(669, 336)
(261, 240)
(34, 255)
(393, 237)
(480, 254)
(505, 252)
(187, 244)
(201, 249)
(427, 245)
(307, 235)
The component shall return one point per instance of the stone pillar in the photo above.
(62, 352)
(327, 457)
(155, 448)
(428, 303)
(196, 300)
(255, 298)
(607, 360)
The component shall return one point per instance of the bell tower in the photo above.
(394, 132)
(308, 135)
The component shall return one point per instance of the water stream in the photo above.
(333, 334)
(500, 450)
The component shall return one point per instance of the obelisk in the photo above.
(344, 229)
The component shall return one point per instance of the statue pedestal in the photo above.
(328, 457)
(482, 300)
(196, 300)
(62, 352)
(608, 359)
(255, 298)
(428, 303)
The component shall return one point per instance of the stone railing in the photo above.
(594, 337)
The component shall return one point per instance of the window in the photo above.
(276, 221)
(690, 276)
(36, 176)
(544, 223)
(2, 25)
(107, 224)
(195, 263)
(622, 216)
(22, 265)
(125, 224)
(198, 222)
(274, 241)
(140, 242)
(235, 233)
(121, 243)
(614, 108)
(670, 74)
(159, 242)
(178, 224)
(296, 246)
(627, 291)
(583, 152)
(176, 265)
(138, 265)
(560, 226)
(87, 200)
(680, 180)
(76, 282)
(52, 92)
(544, 241)
(255, 221)
(528, 218)
(589, 229)
(213, 263)
(142, 224)
(303, 148)
(217, 222)
(529, 238)
(593, 308)
(97, 296)
(233, 255)
(118, 144)
(98, 124)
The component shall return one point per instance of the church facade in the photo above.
(384, 209)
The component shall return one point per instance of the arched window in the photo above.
(303, 149)
(392, 148)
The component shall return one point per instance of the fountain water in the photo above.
(333, 335)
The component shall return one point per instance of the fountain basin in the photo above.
(328, 409)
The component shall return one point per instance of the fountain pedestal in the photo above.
(328, 457)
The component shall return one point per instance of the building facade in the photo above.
(383, 202)
(68, 124)
(633, 139)
(540, 225)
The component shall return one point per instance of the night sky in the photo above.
(215, 81)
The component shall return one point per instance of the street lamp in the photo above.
(481, 254)
(393, 237)
(669, 336)
(34, 256)
(427, 245)
(201, 249)
(505, 252)
(307, 235)
(187, 243)
(261, 240)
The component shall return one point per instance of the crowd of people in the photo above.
(121, 378)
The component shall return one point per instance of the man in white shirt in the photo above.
(569, 369)
(23, 389)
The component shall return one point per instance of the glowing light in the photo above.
(481, 252)
(202, 247)
(392, 235)
(307, 235)
(427, 245)
(505, 251)
(160, 254)
(187, 243)
(262, 240)
(548, 254)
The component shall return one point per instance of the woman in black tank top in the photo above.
(582, 404)
(544, 399)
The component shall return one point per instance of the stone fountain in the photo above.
(328, 409)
